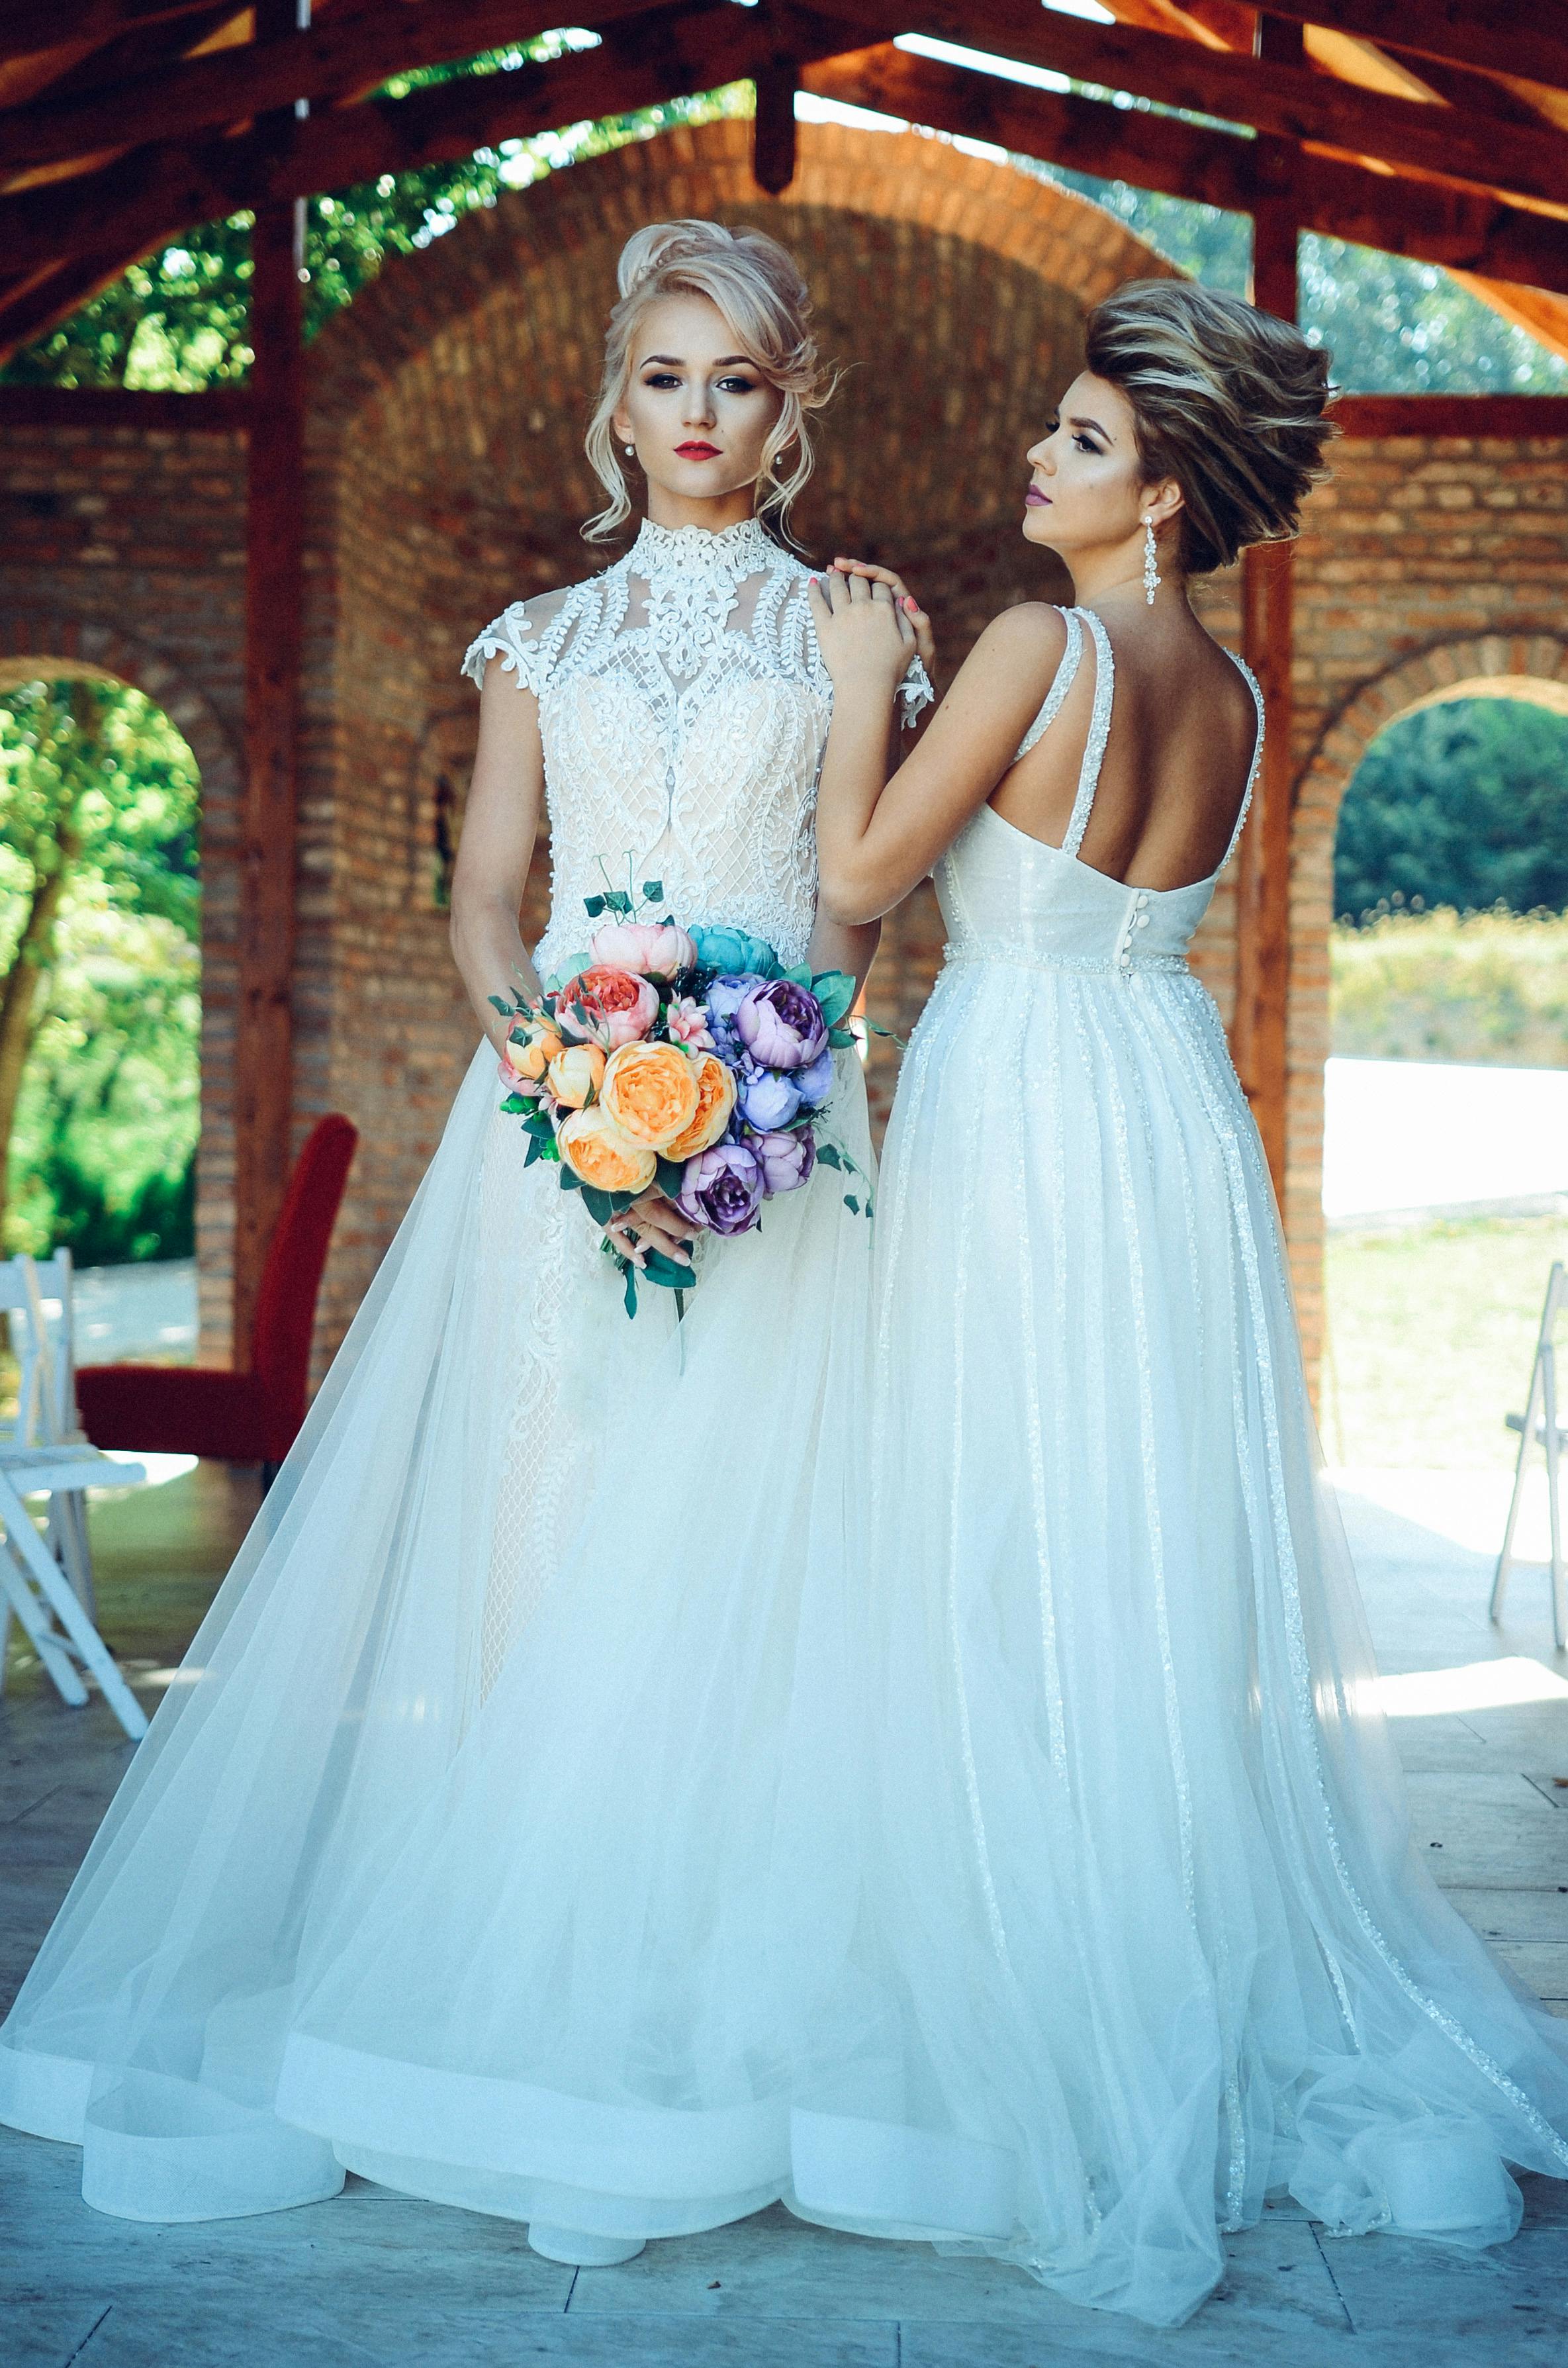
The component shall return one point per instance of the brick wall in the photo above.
(122, 554)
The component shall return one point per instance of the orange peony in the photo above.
(595, 1149)
(651, 1093)
(575, 1075)
(715, 1101)
(532, 1053)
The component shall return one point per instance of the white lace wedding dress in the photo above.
(446, 1857)
(1139, 1934)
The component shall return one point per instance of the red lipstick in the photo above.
(697, 450)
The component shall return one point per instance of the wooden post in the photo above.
(773, 130)
(1260, 1034)
(274, 585)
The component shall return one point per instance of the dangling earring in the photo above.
(1150, 560)
(631, 451)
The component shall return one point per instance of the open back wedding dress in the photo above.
(446, 1855)
(1139, 1934)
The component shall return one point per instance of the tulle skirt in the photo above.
(449, 1855)
(1138, 1934)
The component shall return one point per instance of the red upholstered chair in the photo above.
(254, 1416)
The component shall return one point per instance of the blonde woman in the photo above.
(446, 1859)
(1143, 1940)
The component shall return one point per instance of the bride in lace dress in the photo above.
(1141, 1937)
(445, 1859)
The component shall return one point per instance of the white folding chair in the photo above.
(1538, 1426)
(46, 1580)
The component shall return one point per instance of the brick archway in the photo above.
(64, 648)
(1523, 663)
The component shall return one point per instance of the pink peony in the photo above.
(687, 1023)
(648, 949)
(619, 1008)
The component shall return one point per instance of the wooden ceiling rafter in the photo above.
(347, 52)
(1441, 179)
(1162, 153)
(1464, 32)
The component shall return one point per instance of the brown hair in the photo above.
(758, 288)
(1227, 400)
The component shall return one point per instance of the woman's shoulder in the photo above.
(530, 637)
(1031, 632)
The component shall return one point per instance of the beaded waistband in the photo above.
(1003, 951)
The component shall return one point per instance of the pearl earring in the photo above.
(1150, 560)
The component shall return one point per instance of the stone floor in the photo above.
(373, 2280)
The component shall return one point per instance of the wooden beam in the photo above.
(1260, 1031)
(102, 410)
(773, 130)
(26, 26)
(158, 191)
(1185, 160)
(1507, 415)
(1274, 92)
(351, 50)
(274, 543)
(1527, 39)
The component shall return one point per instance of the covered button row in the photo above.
(1137, 919)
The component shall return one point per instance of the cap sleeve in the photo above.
(527, 638)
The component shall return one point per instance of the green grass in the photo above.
(1442, 986)
(1430, 1334)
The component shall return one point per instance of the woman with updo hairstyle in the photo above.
(1139, 1940)
(452, 1857)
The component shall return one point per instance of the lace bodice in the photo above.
(1008, 896)
(684, 707)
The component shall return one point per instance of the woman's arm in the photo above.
(876, 838)
(506, 799)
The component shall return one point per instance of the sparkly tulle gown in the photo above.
(446, 1857)
(1138, 1934)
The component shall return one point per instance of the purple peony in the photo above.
(724, 999)
(768, 1099)
(782, 1025)
(815, 1084)
(786, 1160)
(723, 1189)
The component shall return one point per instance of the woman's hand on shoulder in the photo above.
(925, 639)
(865, 637)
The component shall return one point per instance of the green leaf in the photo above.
(851, 1203)
(653, 890)
(670, 1175)
(630, 1293)
(593, 906)
(841, 1038)
(801, 975)
(535, 1151)
(597, 1204)
(513, 1103)
(619, 901)
(828, 1155)
(834, 990)
(669, 1273)
(574, 1183)
(508, 1010)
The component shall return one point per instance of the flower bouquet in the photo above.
(692, 1059)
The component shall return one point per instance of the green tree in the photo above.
(98, 926)
(1465, 803)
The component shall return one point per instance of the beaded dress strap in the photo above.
(1099, 732)
(1061, 685)
(1256, 690)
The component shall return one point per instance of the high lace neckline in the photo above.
(732, 553)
